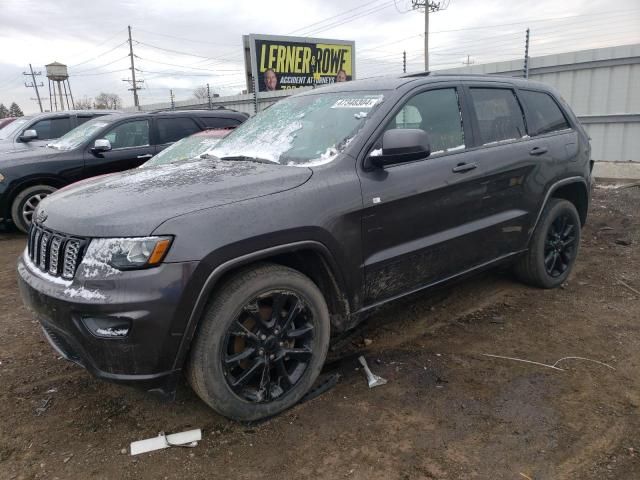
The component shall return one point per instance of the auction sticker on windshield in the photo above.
(363, 102)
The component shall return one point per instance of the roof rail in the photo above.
(416, 74)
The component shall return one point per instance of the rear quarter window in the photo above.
(217, 122)
(543, 113)
(172, 129)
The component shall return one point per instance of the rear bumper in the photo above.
(145, 299)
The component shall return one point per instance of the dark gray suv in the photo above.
(239, 266)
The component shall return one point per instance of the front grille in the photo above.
(56, 254)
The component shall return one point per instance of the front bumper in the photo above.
(147, 299)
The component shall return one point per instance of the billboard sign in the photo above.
(281, 63)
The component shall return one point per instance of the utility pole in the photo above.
(526, 56)
(469, 61)
(173, 103)
(209, 96)
(404, 61)
(135, 87)
(429, 6)
(34, 84)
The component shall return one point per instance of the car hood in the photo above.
(10, 158)
(136, 202)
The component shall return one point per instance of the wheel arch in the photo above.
(310, 258)
(573, 189)
(49, 180)
(576, 193)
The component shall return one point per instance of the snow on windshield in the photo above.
(305, 130)
(184, 149)
(13, 127)
(76, 136)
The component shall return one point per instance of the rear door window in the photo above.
(130, 134)
(52, 128)
(498, 115)
(173, 129)
(217, 122)
(437, 112)
(544, 115)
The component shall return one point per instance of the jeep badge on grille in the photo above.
(41, 216)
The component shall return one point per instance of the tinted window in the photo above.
(217, 122)
(130, 134)
(437, 112)
(81, 120)
(52, 128)
(498, 113)
(173, 129)
(544, 114)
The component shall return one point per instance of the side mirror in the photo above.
(101, 145)
(402, 145)
(28, 135)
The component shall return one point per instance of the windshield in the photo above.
(13, 127)
(184, 149)
(304, 130)
(79, 134)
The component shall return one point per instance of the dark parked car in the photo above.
(29, 133)
(103, 145)
(330, 203)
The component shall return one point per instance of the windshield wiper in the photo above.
(249, 159)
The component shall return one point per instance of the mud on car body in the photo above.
(236, 268)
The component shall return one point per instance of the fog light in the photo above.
(107, 327)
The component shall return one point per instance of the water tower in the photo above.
(58, 76)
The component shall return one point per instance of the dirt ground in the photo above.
(447, 412)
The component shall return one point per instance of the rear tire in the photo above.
(241, 321)
(25, 203)
(554, 246)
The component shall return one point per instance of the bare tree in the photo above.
(200, 94)
(108, 101)
(84, 103)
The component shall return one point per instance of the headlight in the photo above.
(128, 253)
(1, 178)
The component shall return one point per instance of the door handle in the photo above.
(464, 167)
(148, 155)
(538, 151)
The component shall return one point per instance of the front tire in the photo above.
(261, 344)
(25, 204)
(554, 246)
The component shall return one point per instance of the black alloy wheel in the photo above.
(553, 247)
(261, 342)
(560, 245)
(268, 347)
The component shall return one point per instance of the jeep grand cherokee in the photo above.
(238, 267)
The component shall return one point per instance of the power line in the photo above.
(100, 55)
(101, 66)
(311, 25)
(349, 19)
(186, 39)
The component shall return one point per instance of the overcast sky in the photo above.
(187, 43)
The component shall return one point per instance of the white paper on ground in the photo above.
(162, 441)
